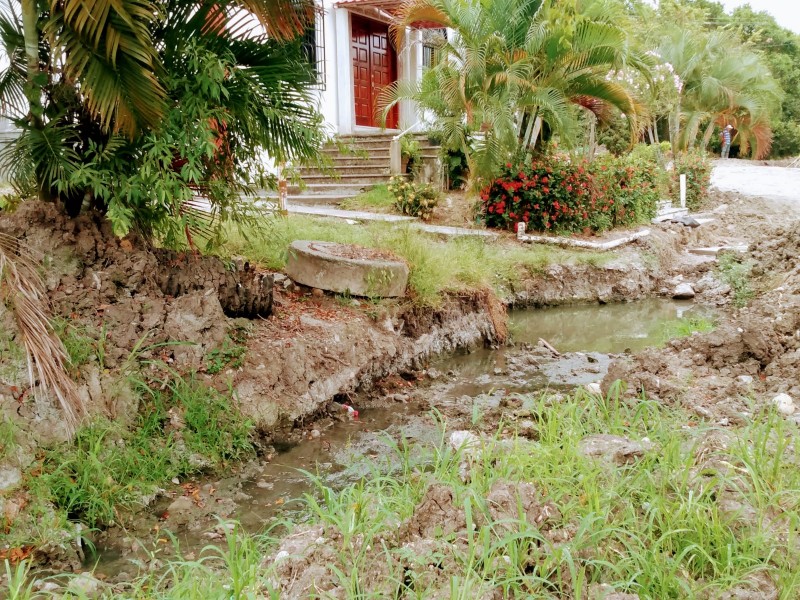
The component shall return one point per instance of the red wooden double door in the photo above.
(374, 68)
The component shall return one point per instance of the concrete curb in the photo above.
(573, 243)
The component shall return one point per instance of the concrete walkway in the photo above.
(360, 215)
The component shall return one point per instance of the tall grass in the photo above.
(107, 467)
(662, 526)
(436, 265)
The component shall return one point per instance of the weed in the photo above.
(8, 438)
(229, 355)
(232, 352)
(654, 527)
(685, 327)
(80, 346)
(106, 467)
(736, 273)
(375, 199)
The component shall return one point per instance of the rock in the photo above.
(527, 428)
(464, 439)
(613, 448)
(784, 404)
(603, 591)
(264, 485)
(744, 379)
(683, 291)
(688, 221)
(85, 585)
(594, 389)
(434, 373)
(180, 505)
(9, 478)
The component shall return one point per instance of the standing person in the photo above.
(726, 140)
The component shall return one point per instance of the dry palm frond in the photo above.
(23, 293)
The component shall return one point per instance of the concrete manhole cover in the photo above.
(345, 268)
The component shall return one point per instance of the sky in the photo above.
(786, 12)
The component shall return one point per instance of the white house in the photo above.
(355, 57)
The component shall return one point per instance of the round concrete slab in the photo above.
(347, 269)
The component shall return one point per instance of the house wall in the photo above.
(336, 99)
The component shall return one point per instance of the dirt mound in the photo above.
(753, 354)
(779, 253)
(115, 297)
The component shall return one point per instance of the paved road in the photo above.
(779, 184)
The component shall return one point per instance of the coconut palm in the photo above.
(513, 69)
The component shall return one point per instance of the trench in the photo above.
(338, 450)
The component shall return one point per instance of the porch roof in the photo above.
(391, 7)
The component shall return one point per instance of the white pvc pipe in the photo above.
(683, 190)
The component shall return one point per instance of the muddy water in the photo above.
(340, 451)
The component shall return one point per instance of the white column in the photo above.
(344, 71)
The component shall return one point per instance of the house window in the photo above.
(431, 40)
(314, 48)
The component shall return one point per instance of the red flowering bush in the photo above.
(555, 194)
(550, 194)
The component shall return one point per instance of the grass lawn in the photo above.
(376, 199)
(436, 265)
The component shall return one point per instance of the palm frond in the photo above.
(23, 293)
(108, 47)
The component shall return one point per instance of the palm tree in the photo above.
(100, 82)
(514, 68)
(718, 82)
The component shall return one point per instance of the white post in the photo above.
(683, 190)
(283, 190)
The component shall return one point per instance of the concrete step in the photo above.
(339, 161)
(331, 200)
(346, 180)
(345, 170)
(334, 153)
(329, 189)
(369, 144)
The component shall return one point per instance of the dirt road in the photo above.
(779, 184)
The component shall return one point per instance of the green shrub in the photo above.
(414, 199)
(635, 182)
(785, 139)
(697, 166)
(410, 152)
